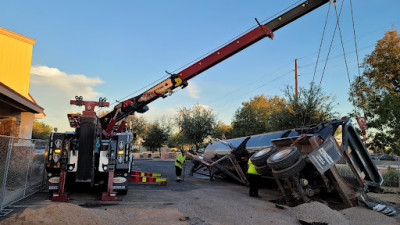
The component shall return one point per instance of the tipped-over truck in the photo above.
(326, 162)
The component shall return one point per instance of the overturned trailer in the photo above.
(326, 161)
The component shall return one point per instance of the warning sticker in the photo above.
(325, 156)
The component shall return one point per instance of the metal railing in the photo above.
(22, 170)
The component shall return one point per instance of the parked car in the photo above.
(396, 158)
(374, 156)
(385, 157)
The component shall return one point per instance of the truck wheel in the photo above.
(260, 158)
(122, 192)
(51, 194)
(283, 159)
(85, 168)
(263, 170)
(291, 170)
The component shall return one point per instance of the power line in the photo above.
(257, 88)
(221, 107)
(248, 84)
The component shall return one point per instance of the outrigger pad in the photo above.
(109, 196)
(56, 197)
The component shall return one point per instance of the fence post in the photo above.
(44, 177)
(27, 174)
(6, 165)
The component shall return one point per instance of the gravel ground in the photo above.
(196, 201)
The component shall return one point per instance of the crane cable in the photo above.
(355, 44)
(330, 46)
(341, 41)
(316, 63)
(355, 39)
(320, 44)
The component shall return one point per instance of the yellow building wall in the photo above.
(15, 60)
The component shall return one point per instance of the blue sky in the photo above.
(113, 48)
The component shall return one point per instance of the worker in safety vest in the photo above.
(179, 163)
(254, 179)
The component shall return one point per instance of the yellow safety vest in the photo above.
(252, 168)
(180, 159)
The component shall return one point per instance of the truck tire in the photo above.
(260, 158)
(291, 170)
(283, 158)
(263, 170)
(85, 168)
(122, 192)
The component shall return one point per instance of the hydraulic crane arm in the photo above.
(165, 87)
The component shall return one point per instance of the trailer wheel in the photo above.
(291, 170)
(283, 159)
(263, 170)
(260, 158)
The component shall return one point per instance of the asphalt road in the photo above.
(384, 163)
(202, 202)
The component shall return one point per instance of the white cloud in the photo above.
(193, 90)
(52, 89)
(207, 107)
(70, 84)
(156, 113)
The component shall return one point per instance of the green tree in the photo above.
(196, 124)
(310, 107)
(253, 117)
(376, 94)
(156, 136)
(137, 125)
(40, 130)
(222, 131)
(178, 140)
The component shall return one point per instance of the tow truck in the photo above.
(97, 153)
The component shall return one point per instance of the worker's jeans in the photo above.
(254, 183)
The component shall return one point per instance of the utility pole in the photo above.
(295, 72)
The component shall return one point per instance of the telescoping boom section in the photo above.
(165, 87)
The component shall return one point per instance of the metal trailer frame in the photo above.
(321, 155)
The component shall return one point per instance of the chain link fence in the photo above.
(22, 170)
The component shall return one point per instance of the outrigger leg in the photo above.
(60, 195)
(109, 195)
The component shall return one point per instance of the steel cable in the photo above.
(344, 53)
(355, 39)
(330, 46)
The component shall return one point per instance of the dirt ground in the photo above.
(196, 201)
(67, 213)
